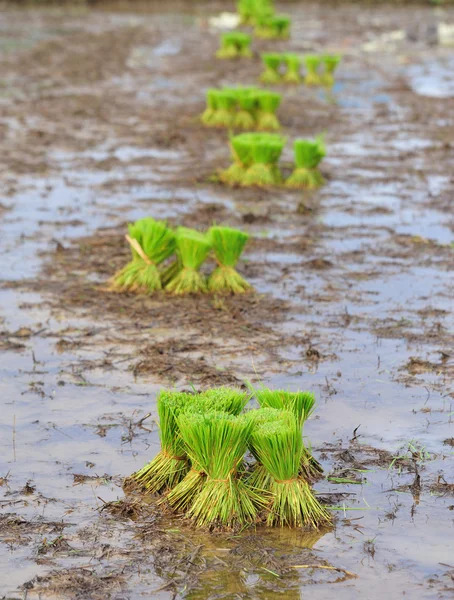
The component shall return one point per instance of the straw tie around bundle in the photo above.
(216, 442)
(193, 248)
(228, 245)
(308, 155)
(171, 464)
(228, 400)
(151, 243)
(278, 446)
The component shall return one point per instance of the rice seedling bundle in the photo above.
(293, 64)
(331, 62)
(272, 62)
(222, 399)
(226, 101)
(275, 27)
(268, 104)
(216, 442)
(228, 244)
(278, 446)
(247, 106)
(301, 405)
(171, 463)
(308, 155)
(211, 108)
(266, 149)
(151, 243)
(234, 44)
(193, 248)
(241, 149)
(312, 63)
(252, 10)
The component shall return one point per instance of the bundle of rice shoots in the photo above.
(245, 117)
(268, 104)
(226, 101)
(252, 10)
(278, 446)
(312, 63)
(308, 155)
(293, 63)
(331, 62)
(271, 73)
(193, 248)
(259, 478)
(241, 149)
(301, 404)
(266, 149)
(210, 111)
(216, 443)
(151, 243)
(171, 463)
(276, 27)
(234, 44)
(228, 244)
(222, 399)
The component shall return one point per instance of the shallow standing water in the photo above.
(98, 123)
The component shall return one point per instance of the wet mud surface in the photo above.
(354, 297)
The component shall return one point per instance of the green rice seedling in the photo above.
(272, 62)
(245, 117)
(151, 243)
(228, 244)
(226, 101)
(268, 104)
(223, 399)
(260, 478)
(301, 404)
(308, 155)
(293, 63)
(275, 27)
(241, 149)
(251, 10)
(266, 149)
(234, 44)
(193, 248)
(211, 108)
(171, 463)
(331, 63)
(278, 446)
(312, 63)
(216, 443)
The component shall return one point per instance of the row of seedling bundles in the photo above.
(256, 161)
(261, 14)
(222, 466)
(286, 68)
(242, 108)
(170, 260)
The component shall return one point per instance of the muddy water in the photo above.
(97, 112)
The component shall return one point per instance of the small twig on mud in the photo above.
(139, 423)
(355, 437)
(348, 574)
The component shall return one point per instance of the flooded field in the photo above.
(354, 297)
